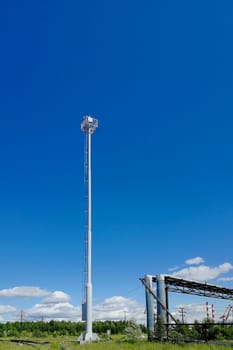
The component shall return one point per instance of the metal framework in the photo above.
(178, 285)
(167, 283)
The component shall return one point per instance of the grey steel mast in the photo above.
(88, 125)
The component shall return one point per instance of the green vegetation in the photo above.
(203, 331)
(60, 328)
(64, 343)
(61, 335)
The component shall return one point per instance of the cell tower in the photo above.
(88, 125)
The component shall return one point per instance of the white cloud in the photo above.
(192, 312)
(114, 308)
(194, 261)
(56, 305)
(23, 292)
(171, 269)
(56, 297)
(119, 308)
(5, 309)
(203, 272)
(59, 311)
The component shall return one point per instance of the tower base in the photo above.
(85, 338)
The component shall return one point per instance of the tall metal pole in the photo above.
(89, 125)
(89, 282)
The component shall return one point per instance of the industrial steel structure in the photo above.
(226, 314)
(167, 283)
(88, 125)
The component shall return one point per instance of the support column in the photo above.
(149, 308)
(161, 294)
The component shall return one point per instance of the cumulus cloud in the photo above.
(203, 272)
(114, 308)
(23, 292)
(59, 311)
(192, 312)
(171, 269)
(194, 261)
(53, 305)
(56, 305)
(5, 309)
(119, 308)
(56, 297)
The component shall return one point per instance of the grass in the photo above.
(66, 343)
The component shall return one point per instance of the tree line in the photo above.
(205, 330)
(59, 328)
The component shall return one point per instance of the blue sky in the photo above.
(158, 76)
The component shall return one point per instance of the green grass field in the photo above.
(65, 343)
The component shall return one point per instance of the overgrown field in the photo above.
(66, 343)
(121, 335)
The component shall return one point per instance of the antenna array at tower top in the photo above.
(89, 124)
